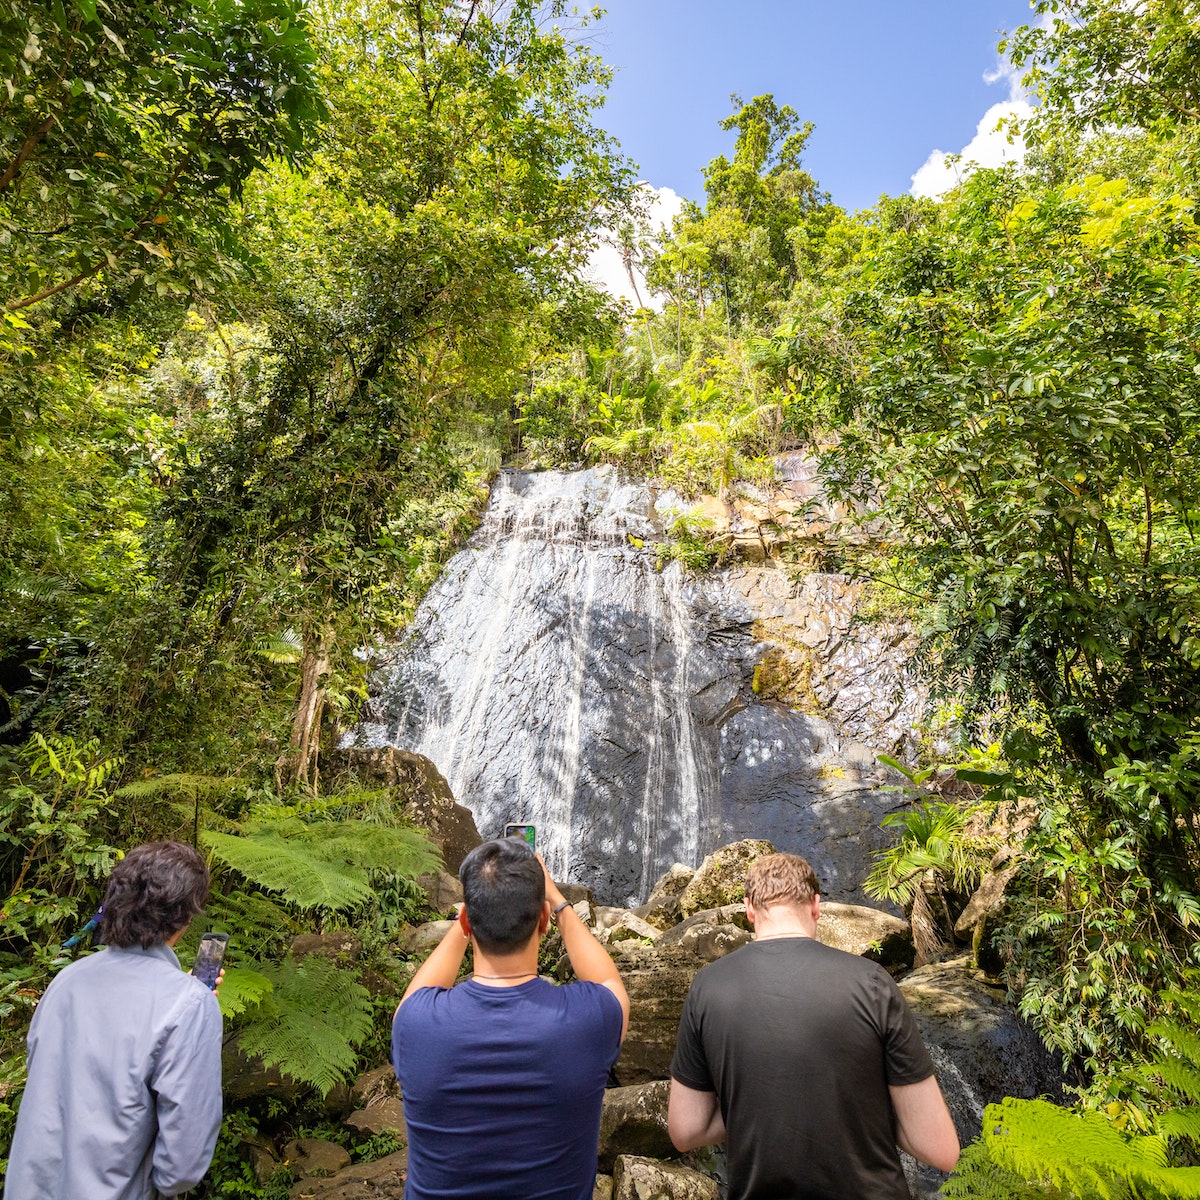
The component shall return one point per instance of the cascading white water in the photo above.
(547, 676)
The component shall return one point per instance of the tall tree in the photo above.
(1098, 63)
(1019, 405)
(433, 249)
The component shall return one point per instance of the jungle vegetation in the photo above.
(284, 282)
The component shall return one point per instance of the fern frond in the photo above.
(371, 846)
(256, 917)
(190, 786)
(1183, 1123)
(1185, 1044)
(280, 864)
(978, 1177)
(242, 989)
(316, 1015)
(1082, 1151)
(1182, 1080)
(41, 589)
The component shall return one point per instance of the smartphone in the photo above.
(209, 957)
(527, 832)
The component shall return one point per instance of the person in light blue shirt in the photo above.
(123, 1100)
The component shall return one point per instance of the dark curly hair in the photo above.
(153, 892)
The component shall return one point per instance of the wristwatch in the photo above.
(555, 912)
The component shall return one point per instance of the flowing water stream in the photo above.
(548, 675)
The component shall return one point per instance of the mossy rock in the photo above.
(785, 671)
(721, 879)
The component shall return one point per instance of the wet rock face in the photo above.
(982, 1050)
(554, 675)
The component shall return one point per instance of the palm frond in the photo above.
(283, 647)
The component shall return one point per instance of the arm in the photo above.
(186, 1084)
(693, 1118)
(589, 959)
(924, 1127)
(440, 969)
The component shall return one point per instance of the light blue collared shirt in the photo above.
(124, 1094)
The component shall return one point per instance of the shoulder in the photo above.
(585, 997)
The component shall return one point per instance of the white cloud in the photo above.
(990, 147)
(606, 268)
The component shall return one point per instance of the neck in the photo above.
(505, 970)
(785, 921)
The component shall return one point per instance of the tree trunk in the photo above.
(298, 764)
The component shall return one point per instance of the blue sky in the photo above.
(886, 82)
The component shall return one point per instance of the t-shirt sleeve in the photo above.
(905, 1058)
(411, 1022)
(690, 1066)
(606, 1017)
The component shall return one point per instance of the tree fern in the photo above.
(1071, 1153)
(1173, 1074)
(242, 989)
(320, 866)
(978, 1177)
(309, 1022)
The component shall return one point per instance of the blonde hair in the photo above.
(780, 879)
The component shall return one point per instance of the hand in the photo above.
(220, 979)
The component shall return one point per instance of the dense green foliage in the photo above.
(272, 274)
(283, 284)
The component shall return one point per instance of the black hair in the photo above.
(153, 892)
(504, 889)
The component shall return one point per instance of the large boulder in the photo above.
(382, 1179)
(636, 1178)
(660, 911)
(876, 935)
(657, 979)
(419, 791)
(706, 939)
(442, 890)
(310, 1157)
(727, 914)
(634, 1121)
(672, 882)
(421, 939)
(622, 924)
(982, 1051)
(338, 946)
(246, 1079)
(721, 878)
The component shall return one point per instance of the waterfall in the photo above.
(552, 675)
(556, 675)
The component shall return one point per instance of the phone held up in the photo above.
(209, 957)
(527, 832)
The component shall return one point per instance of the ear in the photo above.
(751, 915)
(544, 919)
(816, 907)
(463, 922)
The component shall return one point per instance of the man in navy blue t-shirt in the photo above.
(503, 1076)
